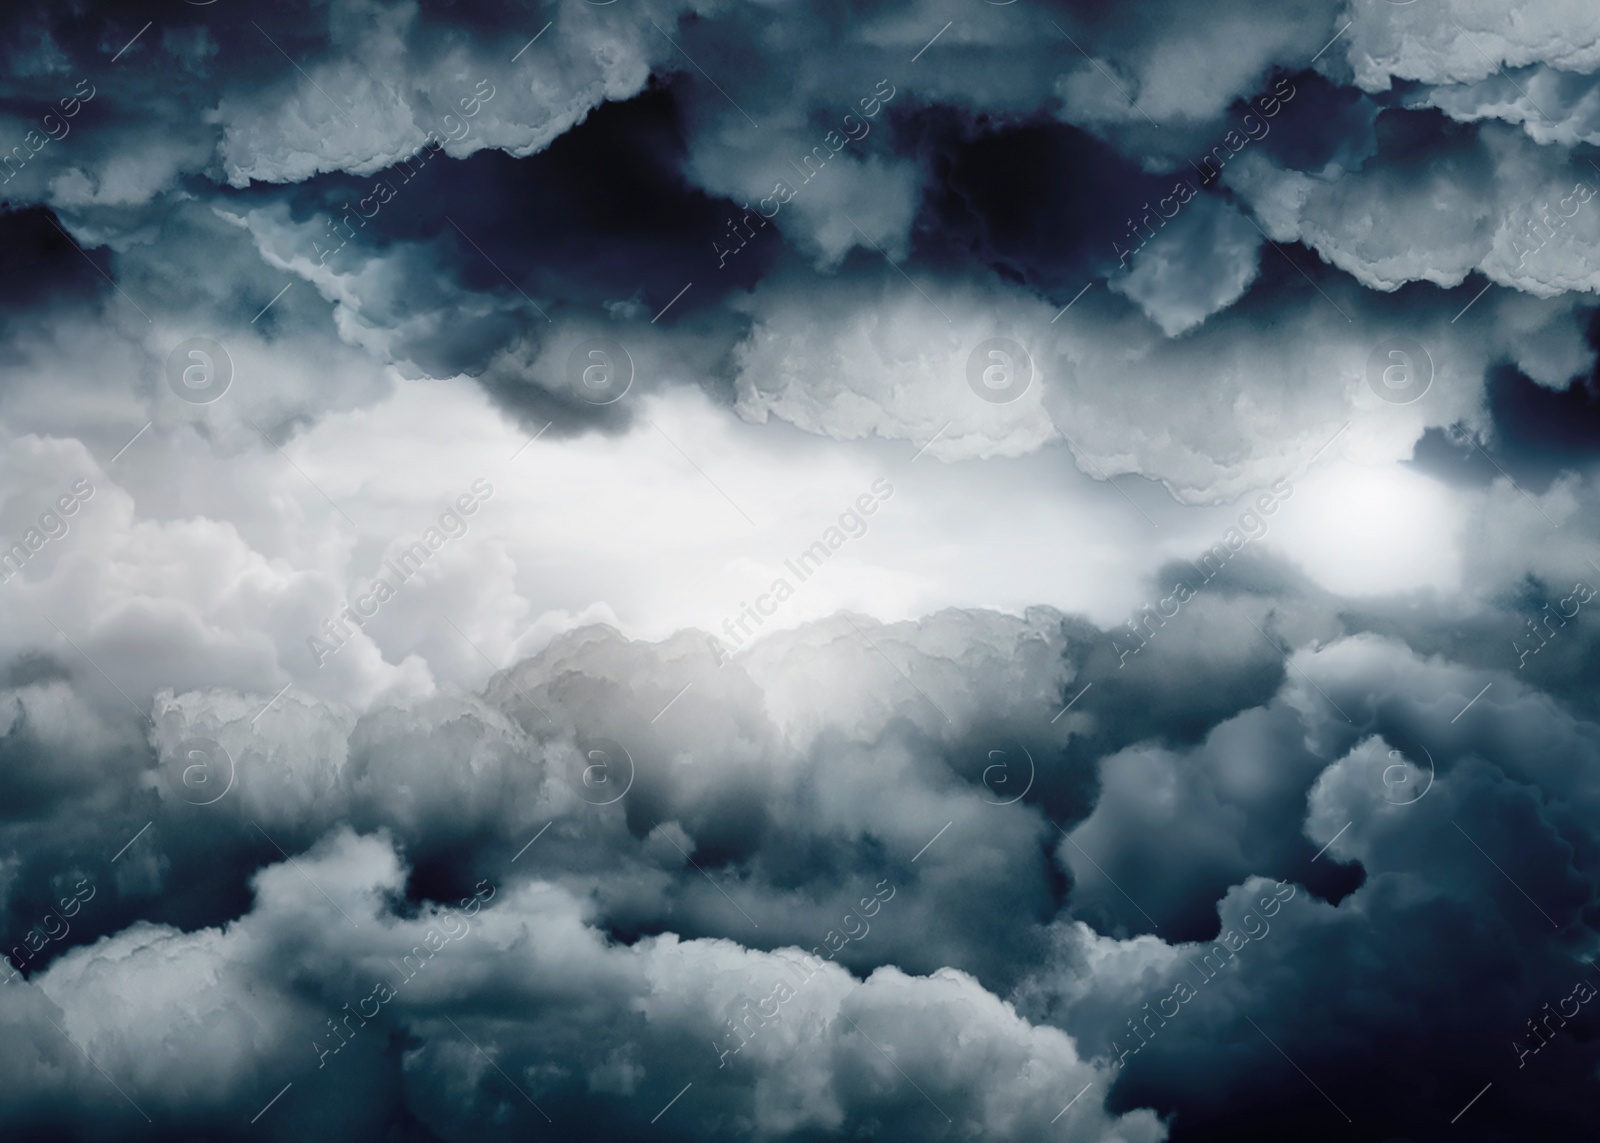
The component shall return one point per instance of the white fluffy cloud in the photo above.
(1457, 41)
(1508, 208)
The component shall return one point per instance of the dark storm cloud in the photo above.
(788, 830)
(779, 841)
(788, 838)
(1041, 204)
(1544, 432)
(1434, 908)
(600, 228)
(1010, 832)
(602, 215)
(202, 101)
(40, 269)
(1328, 123)
(606, 209)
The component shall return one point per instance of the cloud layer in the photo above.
(789, 572)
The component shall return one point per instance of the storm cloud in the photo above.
(797, 572)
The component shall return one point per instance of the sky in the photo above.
(789, 571)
